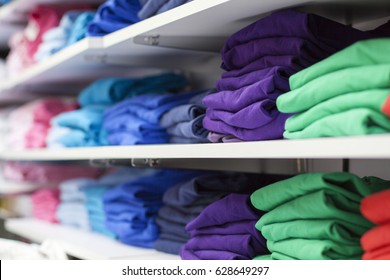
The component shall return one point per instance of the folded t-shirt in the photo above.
(112, 90)
(360, 121)
(278, 74)
(241, 55)
(233, 101)
(372, 99)
(334, 84)
(376, 243)
(306, 249)
(321, 205)
(225, 226)
(324, 33)
(342, 183)
(270, 130)
(363, 53)
(376, 207)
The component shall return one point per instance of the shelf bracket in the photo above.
(346, 165)
(193, 43)
(302, 165)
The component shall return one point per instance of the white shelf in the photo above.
(183, 38)
(81, 244)
(344, 147)
(67, 65)
(66, 72)
(193, 32)
(188, 36)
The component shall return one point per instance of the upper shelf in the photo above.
(82, 244)
(344, 147)
(181, 38)
(197, 25)
(185, 38)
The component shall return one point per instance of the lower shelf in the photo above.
(365, 147)
(82, 244)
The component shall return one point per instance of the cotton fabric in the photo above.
(335, 97)
(315, 216)
(376, 242)
(185, 201)
(258, 60)
(225, 230)
(131, 208)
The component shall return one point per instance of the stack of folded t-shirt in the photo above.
(95, 208)
(137, 120)
(315, 216)
(63, 35)
(131, 208)
(72, 211)
(30, 123)
(225, 230)
(83, 127)
(82, 200)
(95, 196)
(185, 201)
(346, 94)
(184, 123)
(376, 242)
(259, 60)
(79, 128)
(45, 203)
(24, 45)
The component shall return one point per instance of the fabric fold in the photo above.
(137, 120)
(374, 207)
(335, 84)
(367, 52)
(315, 216)
(226, 231)
(372, 99)
(259, 60)
(132, 207)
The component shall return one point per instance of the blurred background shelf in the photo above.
(81, 244)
